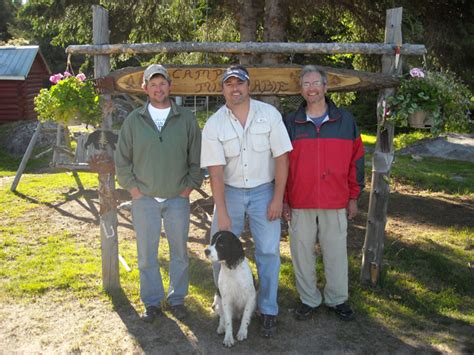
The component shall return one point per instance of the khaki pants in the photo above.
(329, 227)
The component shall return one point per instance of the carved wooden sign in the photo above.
(264, 80)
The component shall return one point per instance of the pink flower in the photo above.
(55, 78)
(81, 76)
(417, 73)
(67, 74)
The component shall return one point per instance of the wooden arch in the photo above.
(279, 80)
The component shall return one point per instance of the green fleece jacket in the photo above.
(161, 164)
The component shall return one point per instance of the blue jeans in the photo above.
(147, 216)
(266, 235)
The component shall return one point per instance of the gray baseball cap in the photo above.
(155, 69)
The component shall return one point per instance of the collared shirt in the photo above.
(247, 153)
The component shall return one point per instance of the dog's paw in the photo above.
(220, 329)
(242, 334)
(228, 341)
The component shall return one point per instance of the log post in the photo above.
(108, 209)
(382, 159)
(26, 157)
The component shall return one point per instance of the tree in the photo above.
(248, 21)
(7, 16)
(444, 26)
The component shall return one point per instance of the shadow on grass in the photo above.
(165, 335)
(422, 283)
(431, 211)
(90, 205)
(324, 332)
(436, 269)
(197, 334)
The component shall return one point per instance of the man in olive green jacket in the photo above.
(158, 161)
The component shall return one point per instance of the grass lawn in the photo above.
(428, 273)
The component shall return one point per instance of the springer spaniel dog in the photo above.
(236, 295)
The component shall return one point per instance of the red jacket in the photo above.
(326, 163)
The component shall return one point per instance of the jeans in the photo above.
(266, 235)
(147, 216)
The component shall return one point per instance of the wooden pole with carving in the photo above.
(381, 162)
(103, 163)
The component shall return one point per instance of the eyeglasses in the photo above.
(314, 84)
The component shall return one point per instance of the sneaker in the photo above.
(304, 312)
(179, 311)
(269, 326)
(344, 311)
(151, 312)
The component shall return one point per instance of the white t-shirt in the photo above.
(246, 152)
(159, 115)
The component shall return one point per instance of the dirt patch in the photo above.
(57, 325)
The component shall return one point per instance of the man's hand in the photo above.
(136, 193)
(274, 209)
(224, 223)
(186, 192)
(287, 212)
(352, 209)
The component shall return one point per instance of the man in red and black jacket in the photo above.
(326, 177)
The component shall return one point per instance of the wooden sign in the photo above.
(264, 80)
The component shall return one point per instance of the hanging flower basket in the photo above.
(444, 99)
(70, 101)
(420, 119)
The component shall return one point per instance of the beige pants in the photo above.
(329, 227)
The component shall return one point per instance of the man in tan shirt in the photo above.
(245, 148)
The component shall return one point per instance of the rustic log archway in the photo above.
(391, 52)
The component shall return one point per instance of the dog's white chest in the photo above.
(236, 285)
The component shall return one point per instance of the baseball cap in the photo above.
(237, 73)
(153, 70)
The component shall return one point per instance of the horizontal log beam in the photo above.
(247, 48)
(84, 167)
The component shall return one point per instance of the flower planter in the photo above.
(71, 101)
(420, 119)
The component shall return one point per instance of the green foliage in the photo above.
(342, 98)
(442, 95)
(7, 15)
(202, 117)
(363, 108)
(54, 24)
(403, 140)
(70, 98)
(434, 174)
(369, 139)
